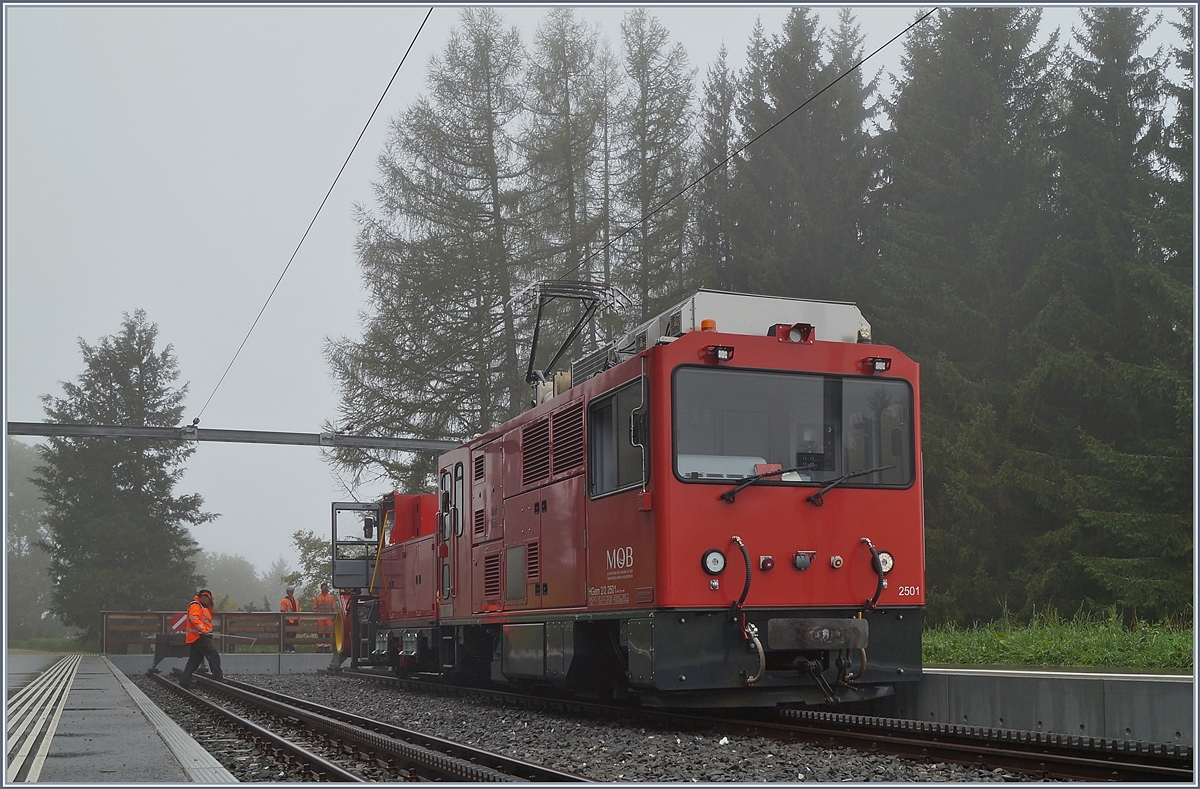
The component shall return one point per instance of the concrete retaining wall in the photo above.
(1150, 708)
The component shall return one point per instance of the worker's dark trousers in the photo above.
(202, 649)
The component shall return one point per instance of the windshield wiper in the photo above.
(730, 495)
(818, 498)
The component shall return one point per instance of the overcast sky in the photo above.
(170, 158)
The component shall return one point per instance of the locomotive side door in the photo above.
(451, 514)
(445, 533)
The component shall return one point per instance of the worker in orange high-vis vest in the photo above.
(324, 603)
(199, 635)
(289, 603)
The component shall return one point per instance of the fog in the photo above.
(170, 158)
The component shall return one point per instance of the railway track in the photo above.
(1038, 754)
(401, 754)
(298, 760)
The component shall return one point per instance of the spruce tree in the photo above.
(561, 141)
(562, 145)
(718, 140)
(750, 198)
(29, 591)
(442, 257)
(849, 159)
(117, 534)
(800, 188)
(773, 242)
(654, 161)
(1107, 392)
(963, 219)
(610, 84)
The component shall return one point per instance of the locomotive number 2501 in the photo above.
(908, 591)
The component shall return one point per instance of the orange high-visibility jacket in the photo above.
(290, 604)
(199, 621)
(324, 604)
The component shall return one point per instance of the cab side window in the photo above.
(618, 439)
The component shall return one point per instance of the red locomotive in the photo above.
(722, 509)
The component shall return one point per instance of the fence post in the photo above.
(103, 632)
(282, 631)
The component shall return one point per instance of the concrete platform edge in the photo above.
(198, 764)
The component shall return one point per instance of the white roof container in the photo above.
(734, 313)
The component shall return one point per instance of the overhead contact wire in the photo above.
(317, 214)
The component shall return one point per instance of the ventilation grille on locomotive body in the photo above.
(552, 445)
(533, 566)
(491, 575)
(566, 435)
(535, 452)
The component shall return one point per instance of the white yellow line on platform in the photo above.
(59, 686)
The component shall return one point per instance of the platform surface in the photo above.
(108, 731)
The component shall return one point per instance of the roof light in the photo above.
(864, 333)
(717, 353)
(708, 324)
(793, 332)
(876, 364)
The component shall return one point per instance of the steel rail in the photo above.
(1032, 753)
(432, 758)
(314, 764)
(193, 433)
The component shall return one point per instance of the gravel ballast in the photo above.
(597, 749)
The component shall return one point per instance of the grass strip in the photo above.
(1053, 642)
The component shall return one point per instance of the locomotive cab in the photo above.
(721, 508)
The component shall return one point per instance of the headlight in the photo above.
(886, 562)
(713, 562)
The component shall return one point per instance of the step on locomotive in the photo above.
(722, 508)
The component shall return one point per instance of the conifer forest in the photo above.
(1015, 212)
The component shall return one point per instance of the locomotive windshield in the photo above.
(731, 424)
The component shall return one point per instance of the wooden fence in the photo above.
(133, 632)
